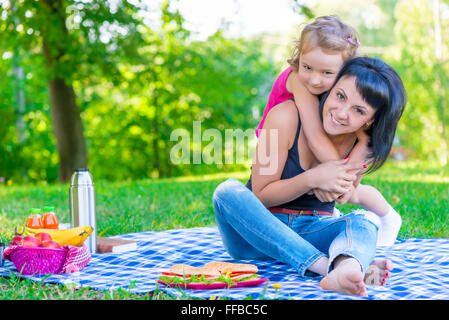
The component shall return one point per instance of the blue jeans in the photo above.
(250, 231)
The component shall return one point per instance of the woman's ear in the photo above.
(368, 124)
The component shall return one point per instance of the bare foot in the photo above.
(346, 278)
(378, 272)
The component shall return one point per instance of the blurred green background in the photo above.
(131, 72)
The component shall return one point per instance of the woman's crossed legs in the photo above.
(250, 231)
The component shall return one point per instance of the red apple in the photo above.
(43, 236)
(30, 241)
(50, 244)
(16, 241)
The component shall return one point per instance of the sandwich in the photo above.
(235, 271)
(211, 275)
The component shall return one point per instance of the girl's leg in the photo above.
(250, 231)
(378, 208)
(378, 272)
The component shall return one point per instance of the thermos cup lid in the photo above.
(81, 176)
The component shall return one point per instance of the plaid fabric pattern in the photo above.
(77, 258)
(421, 269)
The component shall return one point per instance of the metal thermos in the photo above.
(82, 204)
(2, 248)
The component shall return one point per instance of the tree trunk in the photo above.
(67, 127)
(65, 113)
(20, 86)
(156, 137)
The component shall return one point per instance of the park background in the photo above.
(103, 84)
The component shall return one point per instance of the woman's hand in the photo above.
(348, 196)
(334, 176)
(325, 196)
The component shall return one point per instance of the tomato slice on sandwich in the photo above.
(171, 274)
(233, 274)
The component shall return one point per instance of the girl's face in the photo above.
(318, 69)
(344, 110)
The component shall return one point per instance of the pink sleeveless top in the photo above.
(278, 94)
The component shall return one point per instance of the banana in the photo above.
(74, 236)
(77, 238)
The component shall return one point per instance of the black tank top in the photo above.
(292, 168)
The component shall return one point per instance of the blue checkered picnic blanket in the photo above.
(421, 269)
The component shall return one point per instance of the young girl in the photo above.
(323, 47)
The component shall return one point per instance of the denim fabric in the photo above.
(250, 231)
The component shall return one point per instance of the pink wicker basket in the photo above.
(38, 260)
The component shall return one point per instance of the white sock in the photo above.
(389, 228)
(337, 213)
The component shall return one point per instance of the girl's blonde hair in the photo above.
(326, 32)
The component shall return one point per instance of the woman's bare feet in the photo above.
(378, 272)
(346, 277)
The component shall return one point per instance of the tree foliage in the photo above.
(403, 33)
(425, 75)
(136, 84)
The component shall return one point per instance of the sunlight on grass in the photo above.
(411, 171)
(418, 190)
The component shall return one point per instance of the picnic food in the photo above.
(30, 241)
(48, 257)
(74, 236)
(45, 251)
(49, 219)
(34, 220)
(16, 241)
(211, 273)
(50, 244)
(40, 240)
(43, 236)
(236, 271)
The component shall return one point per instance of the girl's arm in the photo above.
(361, 154)
(318, 141)
(275, 140)
(361, 151)
(371, 199)
(308, 106)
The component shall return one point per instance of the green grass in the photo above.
(419, 191)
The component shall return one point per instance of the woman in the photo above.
(276, 217)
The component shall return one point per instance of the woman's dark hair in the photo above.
(382, 88)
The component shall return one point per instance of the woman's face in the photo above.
(344, 110)
(318, 69)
